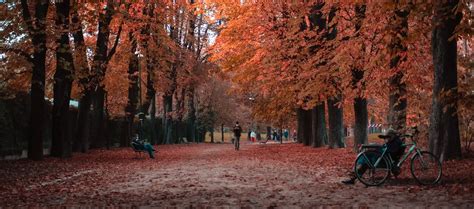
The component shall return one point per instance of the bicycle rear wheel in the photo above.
(371, 169)
(426, 168)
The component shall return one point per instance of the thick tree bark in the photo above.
(132, 103)
(149, 105)
(360, 102)
(153, 130)
(222, 133)
(81, 141)
(192, 116)
(99, 66)
(259, 136)
(307, 127)
(336, 127)
(300, 127)
(360, 111)
(335, 112)
(167, 119)
(444, 125)
(212, 135)
(63, 77)
(269, 132)
(37, 31)
(361, 121)
(397, 95)
(319, 132)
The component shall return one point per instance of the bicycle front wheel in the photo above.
(371, 168)
(426, 168)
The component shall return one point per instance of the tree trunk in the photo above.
(191, 116)
(222, 133)
(83, 124)
(259, 136)
(361, 121)
(397, 95)
(38, 38)
(131, 108)
(307, 127)
(300, 122)
(358, 84)
(63, 77)
(444, 125)
(212, 135)
(336, 127)
(97, 118)
(99, 66)
(125, 136)
(83, 76)
(360, 111)
(319, 132)
(153, 139)
(167, 119)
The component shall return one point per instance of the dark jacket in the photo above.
(237, 130)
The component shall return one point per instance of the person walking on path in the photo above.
(237, 132)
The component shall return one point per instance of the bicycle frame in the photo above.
(380, 163)
(413, 150)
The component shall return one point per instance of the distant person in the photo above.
(286, 134)
(237, 133)
(253, 136)
(294, 135)
(140, 144)
(249, 132)
(274, 135)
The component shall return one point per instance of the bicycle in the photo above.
(379, 166)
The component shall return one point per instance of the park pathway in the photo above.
(202, 175)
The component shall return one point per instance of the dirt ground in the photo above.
(214, 175)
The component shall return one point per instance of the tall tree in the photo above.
(360, 102)
(99, 66)
(317, 21)
(319, 132)
(444, 124)
(307, 131)
(149, 106)
(397, 85)
(37, 31)
(335, 109)
(335, 118)
(81, 141)
(133, 84)
(63, 77)
(191, 118)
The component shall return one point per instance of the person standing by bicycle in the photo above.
(237, 132)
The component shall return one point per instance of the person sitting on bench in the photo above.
(140, 145)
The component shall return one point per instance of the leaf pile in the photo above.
(201, 175)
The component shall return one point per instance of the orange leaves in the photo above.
(214, 175)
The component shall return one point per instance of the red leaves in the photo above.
(258, 175)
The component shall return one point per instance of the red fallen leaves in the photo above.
(216, 175)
